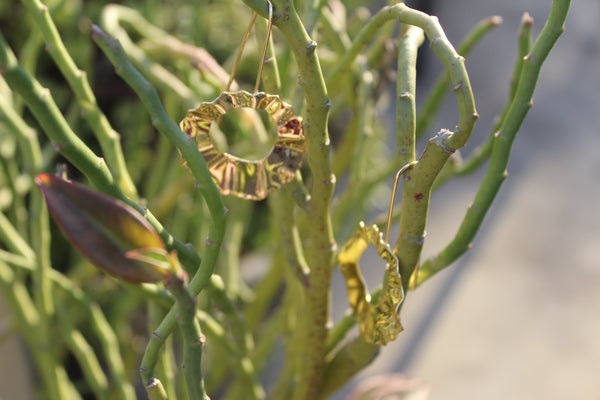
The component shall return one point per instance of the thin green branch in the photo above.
(105, 334)
(197, 166)
(242, 337)
(45, 110)
(26, 312)
(503, 141)
(289, 237)
(109, 139)
(434, 100)
(453, 62)
(85, 356)
(524, 40)
(193, 340)
(159, 75)
(13, 240)
(187, 148)
(483, 151)
(39, 101)
(411, 39)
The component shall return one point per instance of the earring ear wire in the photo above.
(241, 50)
(393, 198)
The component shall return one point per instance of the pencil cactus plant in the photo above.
(146, 215)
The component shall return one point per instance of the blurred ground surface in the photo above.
(518, 317)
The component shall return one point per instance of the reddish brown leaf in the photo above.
(102, 228)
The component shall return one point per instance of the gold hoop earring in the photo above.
(252, 180)
(379, 322)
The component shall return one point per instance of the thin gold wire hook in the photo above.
(393, 199)
(264, 53)
(244, 41)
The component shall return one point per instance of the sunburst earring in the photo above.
(378, 320)
(252, 180)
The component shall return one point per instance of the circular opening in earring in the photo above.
(245, 133)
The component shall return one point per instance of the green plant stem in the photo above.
(16, 260)
(197, 166)
(40, 102)
(242, 338)
(365, 102)
(42, 293)
(25, 311)
(85, 356)
(291, 308)
(334, 32)
(289, 237)
(502, 145)
(193, 339)
(13, 240)
(166, 369)
(187, 148)
(418, 180)
(483, 151)
(99, 324)
(311, 347)
(237, 220)
(411, 39)
(109, 139)
(265, 291)
(453, 62)
(155, 390)
(110, 347)
(350, 359)
(39, 229)
(524, 40)
(105, 334)
(437, 94)
(160, 76)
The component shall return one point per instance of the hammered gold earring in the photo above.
(378, 321)
(252, 180)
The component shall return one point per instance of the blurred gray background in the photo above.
(518, 317)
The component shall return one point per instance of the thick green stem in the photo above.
(321, 244)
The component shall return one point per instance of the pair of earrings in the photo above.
(378, 321)
(251, 180)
